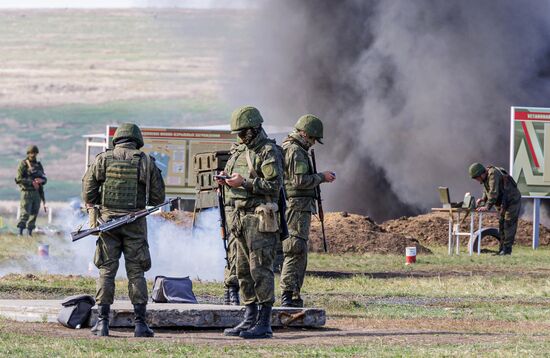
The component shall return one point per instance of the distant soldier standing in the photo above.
(256, 171)
(31, 180)
(121, 181)
(300, 184)
(500, 190)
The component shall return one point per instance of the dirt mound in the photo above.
(355, 233)
(178, 217)
(433, 228)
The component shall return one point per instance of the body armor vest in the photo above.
(238, 164)
(291, 190)
(121, 189)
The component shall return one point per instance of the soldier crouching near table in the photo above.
(256, 170)
(121, 181)
(500, 190)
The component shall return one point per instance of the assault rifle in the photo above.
(118, 222)
(223, 222)
(319, 203)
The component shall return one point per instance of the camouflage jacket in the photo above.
(300, 180)
(95, 177)
(26, 175)
(499, 188)
(267, 162)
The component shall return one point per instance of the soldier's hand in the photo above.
(235, 181)
(479, 201)
(329, 176)
(35, 184)
(482, 209)
(45, 208)
(221, 181)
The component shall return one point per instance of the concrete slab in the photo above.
(165, 314)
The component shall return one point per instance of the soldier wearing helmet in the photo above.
(300, 184)
(255, 168)
(31, 180)
(499, 190)
(121, 181)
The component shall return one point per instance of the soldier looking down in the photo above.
(500, 190)
(256, 171)
(121, 181)
(31, 180)
(300, 185)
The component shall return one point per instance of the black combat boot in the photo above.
(505, 251)
(21, 231)
(262, 328)
(101, 327)
(286, 299)
(142, 329)
(298, 302)
(250, 318)
(30, 232)
(226, 299)
(234, 296)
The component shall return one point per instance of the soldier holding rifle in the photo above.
(122, 181)
(302, 187)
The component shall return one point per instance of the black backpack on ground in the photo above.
(76, 311)
(173, 290)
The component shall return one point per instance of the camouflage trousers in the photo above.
(255, 257)
(29, 208)
(508, 224)
(130, 240)
(295, 251)
(230, 272)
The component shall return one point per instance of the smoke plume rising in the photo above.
(411, 92)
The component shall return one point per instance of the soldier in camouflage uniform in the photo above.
(256, 170)
(121, 181)
(31, 180)
(231, 282)
(300, 185)
(500, 190)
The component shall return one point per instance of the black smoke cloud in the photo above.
(411, 92)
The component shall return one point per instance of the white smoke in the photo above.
(175, 250)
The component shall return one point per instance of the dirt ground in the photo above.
(338, 331)
(433, 228)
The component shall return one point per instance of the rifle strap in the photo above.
(147, 177)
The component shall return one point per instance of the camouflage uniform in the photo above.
(300, 183)
(130, 239)
(501, 191)
(255, 249)
(30, 196)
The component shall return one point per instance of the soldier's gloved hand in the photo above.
(235, 181)
(482, 209)
(329, 176)
(221, 181)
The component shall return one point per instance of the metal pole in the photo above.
(450, 236)
(536, 222)
(472, 238)
(457, 233)
(480, 214)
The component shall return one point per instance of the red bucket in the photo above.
(410, 255)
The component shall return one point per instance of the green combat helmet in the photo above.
(476, 169)
(311, 125)
(129, 131)
(32, 149)
(245, 117)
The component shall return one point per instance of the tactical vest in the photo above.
(291, 190)
(238, 164)
(121, 189)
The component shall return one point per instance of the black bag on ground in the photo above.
(173, 290)
(76, 311)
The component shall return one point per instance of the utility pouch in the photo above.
(268, 218)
